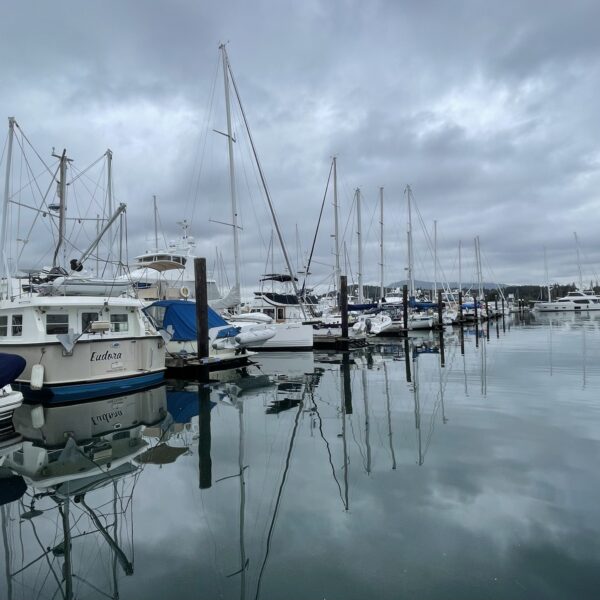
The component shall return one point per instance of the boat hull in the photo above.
(93, 369)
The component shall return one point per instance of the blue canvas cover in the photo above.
(181, 316)
(11, 366)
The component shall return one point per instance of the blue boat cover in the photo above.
(11, 366)
(181, 316)
(352, 307)
(421, 304)
(471, 305)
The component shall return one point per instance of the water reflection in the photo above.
(428, 467)
(79, 463)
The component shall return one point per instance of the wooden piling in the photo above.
(201, 318)
(460, 303)
(405, 307)
(440, 310)
(344, 304)
(475, 309)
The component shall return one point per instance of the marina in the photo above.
(396, 461)
(322, 326)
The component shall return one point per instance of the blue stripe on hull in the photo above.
(61, 394)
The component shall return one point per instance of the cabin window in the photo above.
(119, 323)
(270, 312)
(17, 325)
(57, 324)
(87, 318)
(3, 326)
(580, 301)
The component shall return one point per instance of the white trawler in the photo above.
(75, 345)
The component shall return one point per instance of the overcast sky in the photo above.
(489, 110)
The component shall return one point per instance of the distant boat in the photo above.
(578, 301)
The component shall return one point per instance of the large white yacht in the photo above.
(573, 301)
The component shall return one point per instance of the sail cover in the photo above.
(180, 315)
(11, 366)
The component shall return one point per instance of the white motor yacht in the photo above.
(574, 301)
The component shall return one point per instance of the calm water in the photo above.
(329, 478)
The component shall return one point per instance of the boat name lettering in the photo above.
(105, 356)
(106, 417)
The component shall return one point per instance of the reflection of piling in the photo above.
(344, 304)
(462, 340)
(346, 384)
(442, 353)
(460, 302)
(407, 359)
(440, 309)
(201, 318)
(204, 440)
(405, 307)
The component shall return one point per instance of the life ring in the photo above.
(184, 291)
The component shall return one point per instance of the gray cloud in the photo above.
(487, 110)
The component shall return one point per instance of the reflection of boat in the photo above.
(79, 462)
(89, 420)
(11, 366)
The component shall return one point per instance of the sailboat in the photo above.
(290, 333)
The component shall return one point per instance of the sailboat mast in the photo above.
(109, 193)
(155, 224)
(232, 190)
(360, 256)
(337, 226)
(459, 265)
(381, 284)
(411, 280)
(266, 190)
(3, 236)
(578, 262)
(435, 261)
(546, 273)
(62, 196)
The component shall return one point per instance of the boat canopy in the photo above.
(180, 315)
(11, 366)
(281, 277)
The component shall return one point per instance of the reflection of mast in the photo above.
(243, 562)
(278, 501)
(483, 367)
(125, 564)
(67, 569)
(444, 419)
(417, 410)
(3, 511)
(387, 400)
(346, 389)
(367, 424)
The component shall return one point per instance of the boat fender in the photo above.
(37, 416)
(37, 377)
(184, 291)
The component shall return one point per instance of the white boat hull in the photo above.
(129, 363)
